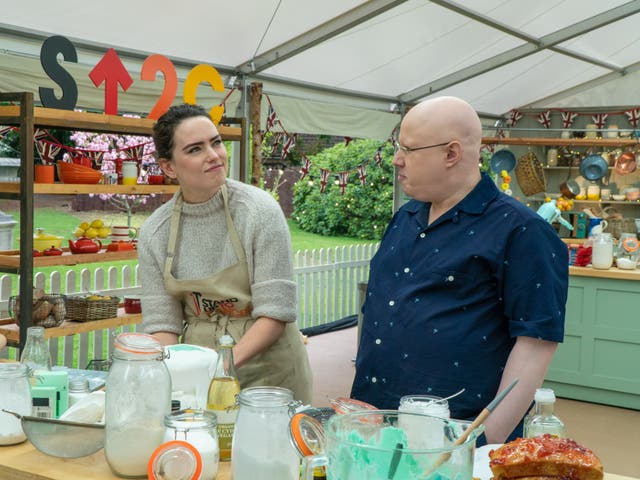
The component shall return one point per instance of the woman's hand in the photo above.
(260, 336)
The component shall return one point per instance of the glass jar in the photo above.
(154, 174)
(78, 389)
(261, 436)
(129, 173)
(15, 395)
(602, 251)
(35, 353)
(422, 431)
(138, 396)
(198, 428)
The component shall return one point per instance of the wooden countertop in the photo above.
(24, 462)
(614, 273)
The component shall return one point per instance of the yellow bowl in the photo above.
(43, 243)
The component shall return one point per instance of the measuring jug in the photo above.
(373, 445)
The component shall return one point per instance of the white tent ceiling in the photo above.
(336, 66)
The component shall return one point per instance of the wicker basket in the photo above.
(48, 310)
(81, 309)
(530, 174)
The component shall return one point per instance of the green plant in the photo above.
(364, 210)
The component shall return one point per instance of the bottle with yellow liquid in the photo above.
(221, 399)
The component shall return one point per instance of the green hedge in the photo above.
(363, 211)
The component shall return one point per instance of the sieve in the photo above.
(61, 438)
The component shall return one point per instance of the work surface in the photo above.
(24, 462)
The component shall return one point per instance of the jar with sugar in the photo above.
(15, 395)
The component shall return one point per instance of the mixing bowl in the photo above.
(61, 438)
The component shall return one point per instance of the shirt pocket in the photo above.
(462, 285)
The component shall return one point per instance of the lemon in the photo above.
(78, 233)
(103, 232)
(91, 232)
(97, 223)
(84, 225)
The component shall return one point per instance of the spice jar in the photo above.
(198, 428)
(261, 436)
(15, 395)
(138, 396)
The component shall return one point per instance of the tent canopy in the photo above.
(345, 67)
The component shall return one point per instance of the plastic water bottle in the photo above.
(542, 419)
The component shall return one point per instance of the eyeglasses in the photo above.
(397, 147)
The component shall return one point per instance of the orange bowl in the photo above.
(72, 173)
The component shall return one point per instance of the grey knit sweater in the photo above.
(204, 248)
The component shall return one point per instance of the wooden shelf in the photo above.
(75, 189)
(12, 331)
(561, 142)
(96, 122)
(11, 258)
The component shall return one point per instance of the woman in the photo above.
(217, 259)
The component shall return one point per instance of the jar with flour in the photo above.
(15, 395)
(602, 251)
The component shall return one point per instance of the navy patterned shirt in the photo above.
(445, 302)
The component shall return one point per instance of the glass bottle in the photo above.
(198, 428)
(15, 395)
(221, 398)
(542, 419)
(138, 396)
(78, 389)
(35, 354)
(261, 437)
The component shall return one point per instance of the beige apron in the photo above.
(221, 304)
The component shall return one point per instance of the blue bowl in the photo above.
(594, 167)
(502, 160)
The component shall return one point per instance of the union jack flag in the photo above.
(47, 150)
(134, 152)
(271, 118)
(94, 155)
(324, 175)
(4, 131)
(306, 165)
(39, 134)
(362, 173)
(514, 116)
(599, 119)
(544, 118)
(277, 138)
(633, 116)
(343, 178)
(568, 118)
(289, 143)
(378, 156)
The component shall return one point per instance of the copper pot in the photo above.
(626, 163)
(569, 188)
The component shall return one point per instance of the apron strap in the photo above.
(175, 226)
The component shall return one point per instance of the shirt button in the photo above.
(392, 303)
(422, 235)
(378, 341)
(450, 278)
(406, 270)
(374, 379)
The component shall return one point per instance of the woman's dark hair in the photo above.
(165, 128)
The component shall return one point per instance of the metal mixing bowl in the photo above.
(61, 438)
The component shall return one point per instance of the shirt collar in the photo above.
(475, 203)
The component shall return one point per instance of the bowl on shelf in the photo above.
(594, 167)
(618, 197)
(72, 173)
(502, 160)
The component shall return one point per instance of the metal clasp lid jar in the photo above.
(198, 428)
(261, 436)
(15, 395)
(138, 396)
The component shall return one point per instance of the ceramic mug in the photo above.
(123, 233)
(596, 226)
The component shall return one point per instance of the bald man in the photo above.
(468, 287)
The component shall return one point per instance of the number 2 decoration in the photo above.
(111, 73)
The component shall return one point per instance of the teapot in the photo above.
(85, 245)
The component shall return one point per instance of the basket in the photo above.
(82, 309)
(48, 310)
(530, 174)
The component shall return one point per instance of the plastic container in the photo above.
(138, 398)
(542, 419)
(15, 395)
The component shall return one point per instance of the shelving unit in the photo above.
(562, 142)
(27, 118)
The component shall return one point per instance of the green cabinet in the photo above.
(599, 360)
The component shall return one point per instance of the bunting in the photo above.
(544, 119)
(47, 150)
(514, 116)
(324, 175)
(362, 174)
(289, 143)
(343, 178)
(306, 165)
(277, 138)
(568, 118)
(378, 156)
(271, 118)
(599, 119)
(634, 116)
(4, 131)
(347, 141)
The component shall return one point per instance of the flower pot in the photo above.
(44, 174)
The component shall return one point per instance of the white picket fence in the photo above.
(327, 289)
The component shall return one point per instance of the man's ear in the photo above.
(454, 153)
(167, 167)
